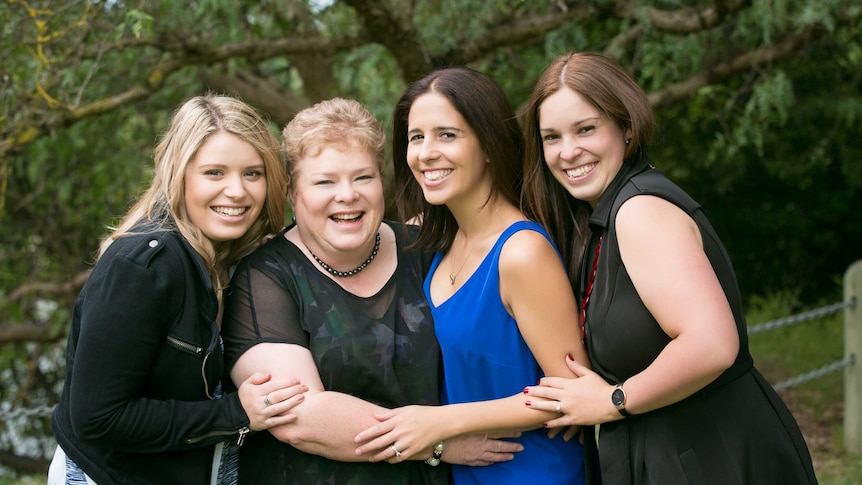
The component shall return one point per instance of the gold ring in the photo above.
(397, 453)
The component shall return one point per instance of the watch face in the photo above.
(618, 398)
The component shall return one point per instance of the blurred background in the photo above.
(759, 104)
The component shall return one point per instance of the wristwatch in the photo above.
(618, 399)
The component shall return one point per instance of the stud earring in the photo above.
(628, 140)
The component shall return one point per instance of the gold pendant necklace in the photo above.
(454, 274)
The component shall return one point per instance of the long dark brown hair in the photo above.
(484, 106)
(611, 90)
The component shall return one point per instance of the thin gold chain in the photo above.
(454, 274)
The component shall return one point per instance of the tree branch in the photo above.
(397, 33)
(27, 332)
(688, 20)
(280, 106)
(53, 288)
(528, 30)
(23, 464)
(12, 141)
(687, 88)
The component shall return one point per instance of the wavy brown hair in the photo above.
(611, 90)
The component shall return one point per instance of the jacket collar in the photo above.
(168, 227)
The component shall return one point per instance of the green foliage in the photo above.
(662, 61)
(369, 74)
(769, 150)
(766, 108)
(137, 23)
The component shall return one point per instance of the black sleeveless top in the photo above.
(734, 431)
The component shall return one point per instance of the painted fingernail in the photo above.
(526, 390)
(545, 425)
(569, 356)
(529, 403)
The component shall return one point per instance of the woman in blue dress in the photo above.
(504, 312)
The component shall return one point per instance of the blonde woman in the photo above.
(142, 401)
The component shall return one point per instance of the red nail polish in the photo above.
(569, 356)
(526, 390)
(545, 425)
(529, 403)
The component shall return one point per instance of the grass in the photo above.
(818, 404)
(33, 480)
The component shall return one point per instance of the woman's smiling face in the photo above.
(337, 197)
(583, 148)
(443, 152)
(225, 187)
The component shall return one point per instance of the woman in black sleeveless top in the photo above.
(673, 384)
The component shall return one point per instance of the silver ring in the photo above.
(266, 400)
(558, 408)
(397, 453)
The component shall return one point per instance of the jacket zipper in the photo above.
(185, 345)
(204, 377)
(197, 351)
(242, 432)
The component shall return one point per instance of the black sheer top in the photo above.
(381, 349)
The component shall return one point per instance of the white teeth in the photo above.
(230, 211)
(347, 217)
(435, 175)
(580, 171)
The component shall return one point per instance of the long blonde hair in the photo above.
(163, 206)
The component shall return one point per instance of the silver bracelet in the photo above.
(434, 459)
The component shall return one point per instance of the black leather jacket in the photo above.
(144, 359)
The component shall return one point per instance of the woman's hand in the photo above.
(583, 400)
(266, 403)
(481, 449)
(402, 433)
(570, 432)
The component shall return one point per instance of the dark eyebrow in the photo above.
(438, 129)
(577, 123)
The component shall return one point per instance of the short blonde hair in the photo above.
(335, 121)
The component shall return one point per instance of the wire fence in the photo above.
(7, 415)
(802, 318)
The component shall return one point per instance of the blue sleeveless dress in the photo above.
(485, 357)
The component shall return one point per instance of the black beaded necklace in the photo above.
(344, 274)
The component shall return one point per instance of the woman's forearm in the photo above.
(504, 414)
(326, 424)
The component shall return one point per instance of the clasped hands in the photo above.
(413, 430)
